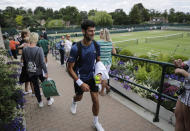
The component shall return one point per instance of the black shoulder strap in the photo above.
(79, 53)
(96, 46)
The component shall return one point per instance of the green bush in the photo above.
(126, 53)
(11, 95)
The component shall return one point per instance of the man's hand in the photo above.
(85, 87)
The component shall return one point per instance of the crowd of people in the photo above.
(82, 58)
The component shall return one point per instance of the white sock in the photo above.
(95, 119)
(74, 101)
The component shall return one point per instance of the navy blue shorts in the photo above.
(91, 83)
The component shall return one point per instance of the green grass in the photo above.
(178, 46)
(167, 47)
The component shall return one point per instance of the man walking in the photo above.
(81, 64)
(45, 46)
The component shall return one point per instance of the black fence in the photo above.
(160, 94)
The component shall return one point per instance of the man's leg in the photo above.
(78, 97)
(95, 103)
(95, 110)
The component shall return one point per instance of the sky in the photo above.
(100, 5)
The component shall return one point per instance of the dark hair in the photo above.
(41, 35)
(23, 33)
(87, 23)
(4, 36)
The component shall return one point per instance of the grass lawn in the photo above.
(177, 46)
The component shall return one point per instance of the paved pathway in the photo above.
(113, 115)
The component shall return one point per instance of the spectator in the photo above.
(33, 57)
(12, 45)
(6, 44)
(44, 34)
(182, 111)
(68, 45)
(106, 49)
(83, 72)
(60, 45)
(45, 46)
(25, 43)
(24, 35)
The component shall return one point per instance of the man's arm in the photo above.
(80, 83)
(71, 71)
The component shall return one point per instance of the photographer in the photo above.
(182, 111)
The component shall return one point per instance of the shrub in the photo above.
(11, 96)
(126, 53)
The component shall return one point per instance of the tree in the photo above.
(119, 17)
(21, 11)
(172, 17)
(40, 13)
(145, 15)
(70, 13)
(135, 16)
(29, 11)
(18, 20)
(83, 15)
(57, 15)
(102, 18)
(165, 14)
(92, 12)
(139, 14)
(180, 17)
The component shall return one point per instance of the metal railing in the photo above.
(160, 94)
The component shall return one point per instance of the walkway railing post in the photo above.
(156, 118)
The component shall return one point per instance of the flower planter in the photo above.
(144, 102)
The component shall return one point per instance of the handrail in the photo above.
(160, 94)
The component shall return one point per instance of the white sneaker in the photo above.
(41, 104)
(50, 102)
(98, 126)
(73, 107)
(30, 91)
(26, 92)
(33, 95)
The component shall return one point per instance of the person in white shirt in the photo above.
(68, 45)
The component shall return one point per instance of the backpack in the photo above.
(79, 54)
(30, 64)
